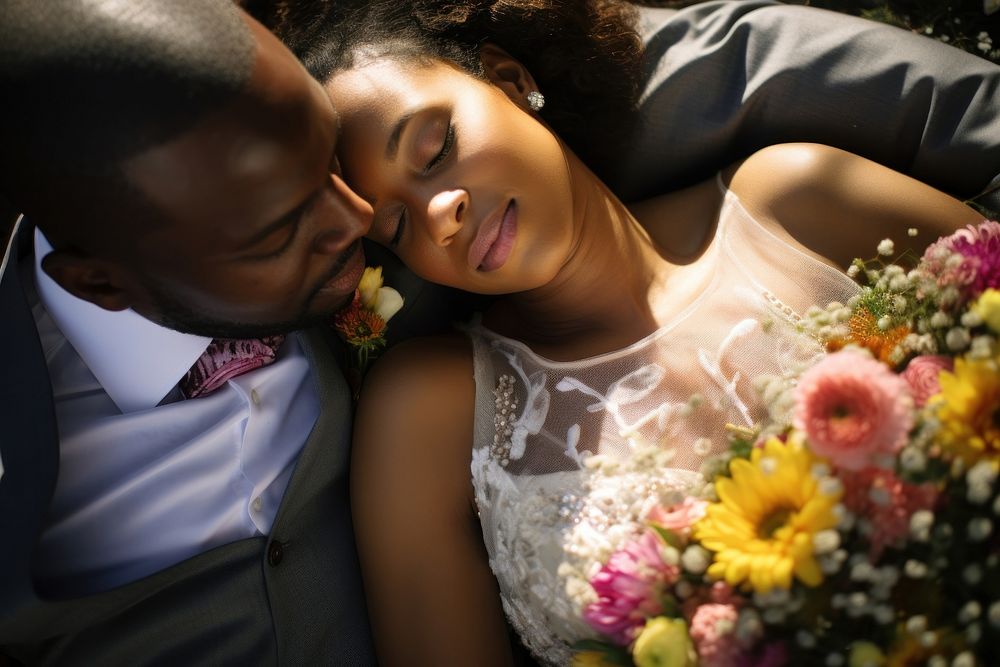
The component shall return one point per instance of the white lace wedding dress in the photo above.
(550, 510)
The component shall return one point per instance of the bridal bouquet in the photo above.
(858, 526)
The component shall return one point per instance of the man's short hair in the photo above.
(88, 83)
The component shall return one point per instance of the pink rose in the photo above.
(922, 375)
(712, 630)
(853, 409)
(680, 517)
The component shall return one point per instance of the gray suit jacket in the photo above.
(725, 78)
(293, 597)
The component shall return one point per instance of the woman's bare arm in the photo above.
(841, 205)
(432, 598)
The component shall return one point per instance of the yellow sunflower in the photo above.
(762, 528)
(969, 409)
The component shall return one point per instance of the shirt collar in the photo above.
(136, 360)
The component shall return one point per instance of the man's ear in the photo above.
(87, 278)
(507, 74)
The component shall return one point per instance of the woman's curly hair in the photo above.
(585, 55)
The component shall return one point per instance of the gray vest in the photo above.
(293, 597)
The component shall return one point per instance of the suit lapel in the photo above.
(29, 447)
(327, 447)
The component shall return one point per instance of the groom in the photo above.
(174, 161)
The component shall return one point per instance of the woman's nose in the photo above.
(346, 218)
(445, 214)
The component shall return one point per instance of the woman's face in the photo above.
(469, 189)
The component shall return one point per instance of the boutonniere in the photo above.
(363, 323)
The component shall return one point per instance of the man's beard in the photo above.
(174, 314)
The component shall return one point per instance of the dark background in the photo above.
(961, 23)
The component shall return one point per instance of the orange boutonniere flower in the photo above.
(363, 323)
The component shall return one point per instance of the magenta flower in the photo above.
(922, 375)
(629, 587)
(853, 409)
(979, 246)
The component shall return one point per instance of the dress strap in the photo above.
(723, 189)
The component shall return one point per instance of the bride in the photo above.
(615, 331)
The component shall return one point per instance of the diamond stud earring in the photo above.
(535, 100)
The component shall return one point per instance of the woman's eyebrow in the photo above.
(392, 148)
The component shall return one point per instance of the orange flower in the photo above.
(865, 333)
(359, 326)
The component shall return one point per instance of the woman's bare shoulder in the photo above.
(415, 412)
(837, 204)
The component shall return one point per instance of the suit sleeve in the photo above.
(726, 78)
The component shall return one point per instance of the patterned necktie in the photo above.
(224, 359)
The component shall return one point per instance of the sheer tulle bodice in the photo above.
(568, 456)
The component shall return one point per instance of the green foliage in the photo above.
(961, 23)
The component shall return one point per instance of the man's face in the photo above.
(262, 234)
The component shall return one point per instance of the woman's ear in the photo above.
(507, 74)
(87, 278)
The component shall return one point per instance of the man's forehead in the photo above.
(241, 163)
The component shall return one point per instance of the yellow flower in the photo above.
(371, 281)
(664, 642)
(384, 301)
(969, 409)
(865, 654)
(988, 308)
(762, 528)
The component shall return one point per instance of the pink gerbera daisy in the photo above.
(853, 409)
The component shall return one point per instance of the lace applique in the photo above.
(632, 388)
(713, 366)
(547, 534)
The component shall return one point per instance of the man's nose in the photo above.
(446, 212)
(346, 218)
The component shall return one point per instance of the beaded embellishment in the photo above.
(505, 403)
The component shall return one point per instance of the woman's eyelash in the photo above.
(449, 142)
(446, 146)
(394, 241)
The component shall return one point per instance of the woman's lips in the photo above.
(493, 244)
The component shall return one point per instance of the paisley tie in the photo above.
(224, 359)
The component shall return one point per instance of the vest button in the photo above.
(275, 552)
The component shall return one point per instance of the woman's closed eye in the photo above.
(446, 145)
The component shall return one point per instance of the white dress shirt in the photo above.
(147, 478)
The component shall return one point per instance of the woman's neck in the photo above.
(601, 299)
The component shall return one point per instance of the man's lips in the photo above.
(494, 240)
(346, 273)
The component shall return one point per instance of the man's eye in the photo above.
(285, 245)
(446, 146)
